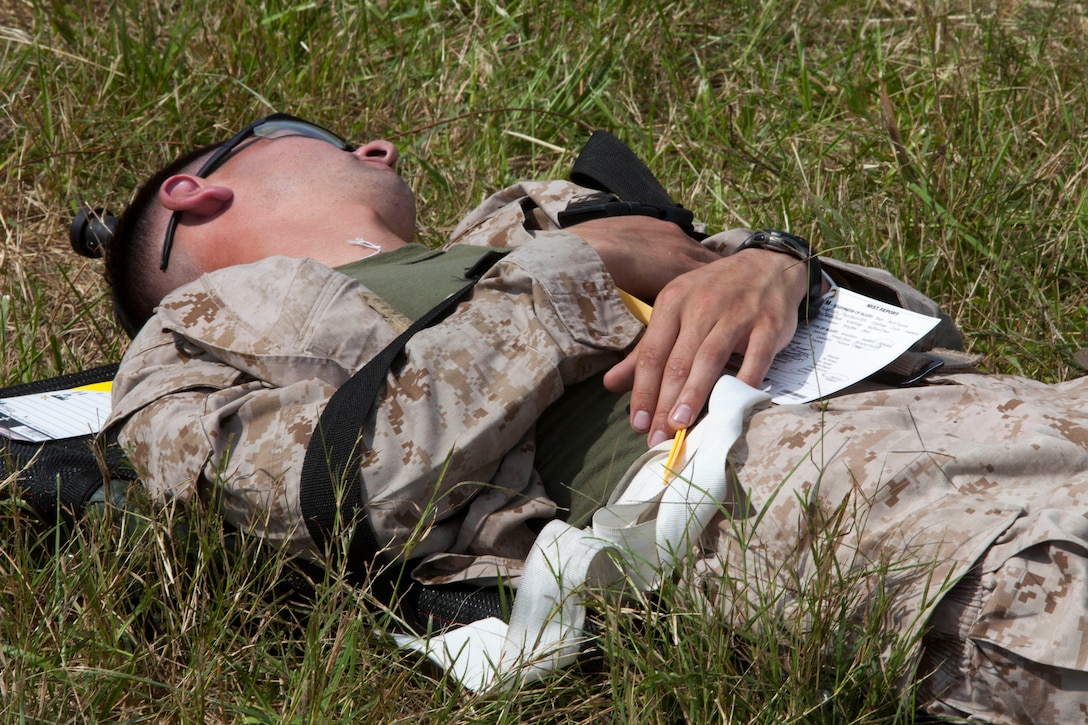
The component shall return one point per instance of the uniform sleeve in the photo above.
(468, 392)
(545, 317)
(196, 428)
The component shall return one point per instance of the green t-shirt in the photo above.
(584, 440)
(414, 278)
(585, 444)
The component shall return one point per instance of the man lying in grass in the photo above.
(257, 276)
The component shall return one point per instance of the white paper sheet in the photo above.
(55, 415)
(852, 337)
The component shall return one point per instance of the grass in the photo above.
(944, 141)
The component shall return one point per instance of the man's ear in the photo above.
(188, 193)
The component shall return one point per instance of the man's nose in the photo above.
(379, 150)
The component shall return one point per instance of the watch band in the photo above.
(776, 240)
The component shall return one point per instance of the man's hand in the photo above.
(643, 254)
(745, 303)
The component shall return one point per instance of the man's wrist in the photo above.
(775, 240)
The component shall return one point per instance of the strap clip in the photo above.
(585, 211)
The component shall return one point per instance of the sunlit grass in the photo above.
(944, 141)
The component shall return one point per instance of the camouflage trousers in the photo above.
(986, 653)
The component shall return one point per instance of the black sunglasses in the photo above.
(278, 125)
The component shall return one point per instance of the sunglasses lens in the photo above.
(284, 127)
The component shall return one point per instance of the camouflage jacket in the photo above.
(222, 389)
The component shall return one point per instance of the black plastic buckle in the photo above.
(580, 212)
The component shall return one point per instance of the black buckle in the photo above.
(585, 211)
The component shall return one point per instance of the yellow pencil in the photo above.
(636, 307)
(642, 311)
(674, 454)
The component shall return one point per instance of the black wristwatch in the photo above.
(793, 245)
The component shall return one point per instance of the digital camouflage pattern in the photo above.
(908, 487)
(224, 389)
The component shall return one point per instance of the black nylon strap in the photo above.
(606, 163)
(331, 484)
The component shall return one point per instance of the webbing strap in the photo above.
(331, 483)
(606, 163)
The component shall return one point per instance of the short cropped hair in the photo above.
(133, 254)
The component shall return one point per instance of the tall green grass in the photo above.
(944, 141)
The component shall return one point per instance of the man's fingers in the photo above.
(649, 376)
(620, 378)
(745, 303)
(654, 352)
(763, 345)
(757, 361)
(694, 370)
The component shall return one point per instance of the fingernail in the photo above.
(642, 421)
(657, 437)
(681, 415)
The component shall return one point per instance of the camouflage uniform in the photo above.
(907, 487)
